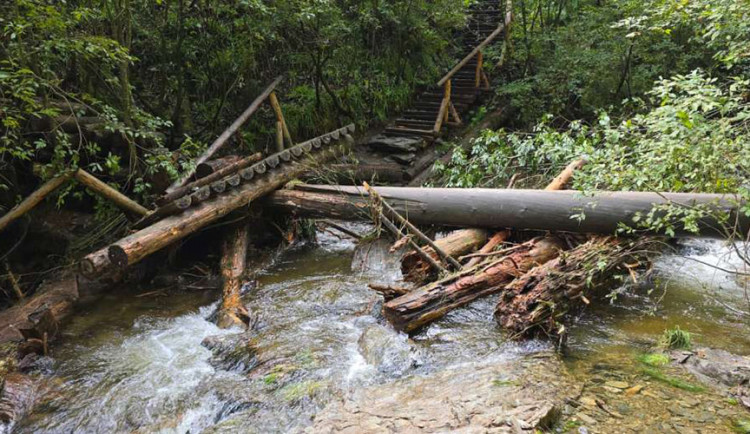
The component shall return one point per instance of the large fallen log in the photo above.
(415, 269)
(138, 245)
(570, 211)
(534, 303)
(234, 251)
(428, 303)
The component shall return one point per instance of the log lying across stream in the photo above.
(568, 211)
(277, 170)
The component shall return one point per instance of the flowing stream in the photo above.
(133, 363)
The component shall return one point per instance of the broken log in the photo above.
(138, 245)
(215, 176)
(211, 166)
(565, 176)
(233, 260)
(33, 199)
(456, 243)
(600, 212)
(102, 189)
(389, 292)
(495, 241)
(533, 304)
(421, 306)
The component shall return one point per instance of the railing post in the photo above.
(478, 74)
(443, 112)
(280, 118)
(447, 98)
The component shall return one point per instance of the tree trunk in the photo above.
(233, 260)
(138, 245)
(570, 211)
(428, 303)
(457, 243)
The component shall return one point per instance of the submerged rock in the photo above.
(517, 395)
(388, 351)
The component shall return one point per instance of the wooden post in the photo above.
(280, 118)
(233, 260)
(102, 189)
(33, 199)
(478, 72)
(443, 113)
(279, 136)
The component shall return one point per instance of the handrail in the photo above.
(229, 132)
(473, 53)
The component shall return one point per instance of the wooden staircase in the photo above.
(454, 94)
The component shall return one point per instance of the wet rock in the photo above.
(230, 352)
(633, 390)
(616, 384)
(389, 144)
(717, 367)
(466, 399)
(388, 351)
(16, 399)
(404, 159)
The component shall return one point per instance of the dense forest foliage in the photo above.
(654, 94)
(131, 89)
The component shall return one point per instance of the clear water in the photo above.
(136, 364)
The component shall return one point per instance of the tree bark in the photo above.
(419, 307)
(534, 304)
(102, 189)
(138, 245)
(601, 212)
(211, 166)
(233, 261)
(33, 199)
(456, 243)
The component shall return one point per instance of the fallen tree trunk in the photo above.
(428, 303)
(102, 189)
(571, 211)
(138, 245)
(33, 199)
(534, 303)
(457, 243)
(35, 321)
(234, 251)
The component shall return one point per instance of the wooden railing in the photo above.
(447, 109)
(282, 132)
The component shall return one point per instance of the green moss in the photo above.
(676, 339)
(271, 378)
(571, 425)
(503, 383)
(732, 401)
(672, 381)
(741, 426)
(297, 391)
(654, 359)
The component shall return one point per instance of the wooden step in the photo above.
(395, 131)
